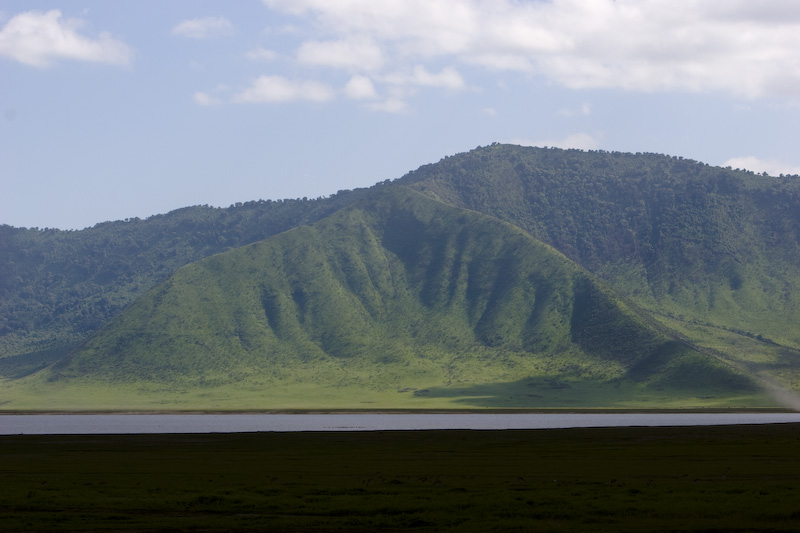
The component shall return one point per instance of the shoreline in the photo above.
(552, 410)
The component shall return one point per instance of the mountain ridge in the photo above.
(707, 244)
(706, 255)
(393, 293)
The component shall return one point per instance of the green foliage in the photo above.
(441, 296)
(674, 235)
(59, 287)
(396, 293)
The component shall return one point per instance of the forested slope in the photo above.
(397, 294)
(703, 243)
(713, 254)
(59, 287)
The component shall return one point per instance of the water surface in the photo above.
(240, 423)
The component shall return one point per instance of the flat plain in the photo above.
(723, 478)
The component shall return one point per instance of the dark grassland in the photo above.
(733, 478)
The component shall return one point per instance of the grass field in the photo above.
(732, 478)
(34, 393)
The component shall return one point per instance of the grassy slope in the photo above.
(689, 241)
(57, 287)
(398, 301)
(712, 253)
(698, 246)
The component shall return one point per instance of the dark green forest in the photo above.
(715, 245)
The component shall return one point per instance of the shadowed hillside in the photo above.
(712, 252)
(716, 245)
(398, 296)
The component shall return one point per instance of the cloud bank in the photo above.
(743, 48)
(40, 39)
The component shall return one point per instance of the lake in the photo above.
(84, 424)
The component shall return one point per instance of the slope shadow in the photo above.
(532, 393)
(19, 366)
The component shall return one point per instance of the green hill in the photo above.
(713, 253)
(57, 288)
(397, 301)
(676, 235)
(705, 255)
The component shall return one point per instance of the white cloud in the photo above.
(360, 88)
(351, 54)
(447, 78)
(279, 89)
(38, 39)
(421, 27)
(581, 141)
(203, 28)
(205, 99)
(392, 104)
(261, 54)
(770, 166)
(737, 46)
(500, 61)
(489, 111)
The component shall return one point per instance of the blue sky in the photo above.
(110, 110)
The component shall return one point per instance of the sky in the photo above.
(131, 108)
